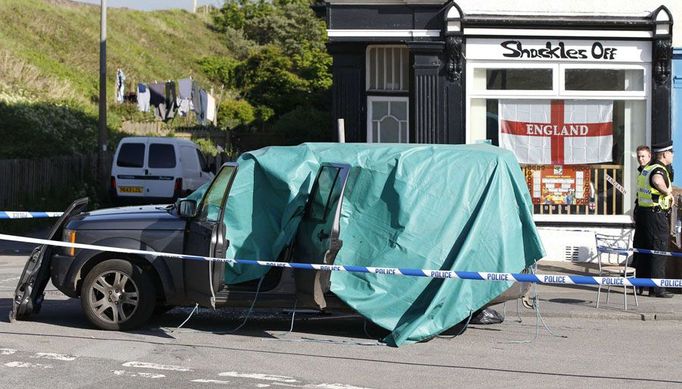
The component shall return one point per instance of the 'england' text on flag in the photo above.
(558, 132)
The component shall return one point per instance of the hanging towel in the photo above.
(210, 108)
(185, 88)
(142, 97)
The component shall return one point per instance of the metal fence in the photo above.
(23, 181)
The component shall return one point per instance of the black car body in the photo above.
(121, 290)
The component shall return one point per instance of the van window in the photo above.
(161, 156)
(202, 161)
(131, 155)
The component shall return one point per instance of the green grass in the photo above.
(57, 42)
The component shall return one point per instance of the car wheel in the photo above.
(117, 295)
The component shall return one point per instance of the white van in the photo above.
(157, 169)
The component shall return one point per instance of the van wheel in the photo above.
(117, 295)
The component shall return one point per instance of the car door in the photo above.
(205, 235)
(30, 290)
(161, 169)
(317, 238)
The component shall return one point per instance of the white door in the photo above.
(161, 170)
(129, 169)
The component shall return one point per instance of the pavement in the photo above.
(579, 301)
(567, 301)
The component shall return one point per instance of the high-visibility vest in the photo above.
(647, 195)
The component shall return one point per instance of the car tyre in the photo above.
(118, 295)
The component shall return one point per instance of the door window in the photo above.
(388, 120)
(131, 155)
(161, 156)
(319, 207)
(215, 196)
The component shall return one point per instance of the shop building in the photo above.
(571, 89)
(677, 110)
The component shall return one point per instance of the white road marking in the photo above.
(335, 386)
(28, 365)
(141, 374)
(262, 385)
(7, 351)
(258, 376)
(202, 381)
(11, 279)
(146, 365)
(56, 357)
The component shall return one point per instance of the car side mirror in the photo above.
(187, 208)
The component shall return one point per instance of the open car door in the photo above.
(205, 235)
(30, 291)
(317, 238)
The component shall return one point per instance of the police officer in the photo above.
(652, 230)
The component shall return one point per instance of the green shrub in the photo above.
(305, 124)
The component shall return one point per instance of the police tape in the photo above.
(28, 215)
(611, 250)
(555, 279)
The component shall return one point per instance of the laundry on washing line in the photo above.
(182, 97)
(120, 85)
(143, 97)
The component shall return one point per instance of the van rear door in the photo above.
(161, 172)
(129, 168)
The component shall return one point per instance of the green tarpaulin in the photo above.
(445, 207)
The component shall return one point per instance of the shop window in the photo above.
(604, 80)
(387, 68)
(388, 120)
(387, 94)
(516, 79)
(573, 151)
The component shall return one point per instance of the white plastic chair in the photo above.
(615, 264)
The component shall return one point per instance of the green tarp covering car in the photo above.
(436, 207)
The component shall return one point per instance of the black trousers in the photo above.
(652, 231)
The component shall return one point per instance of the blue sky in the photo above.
(148, 5)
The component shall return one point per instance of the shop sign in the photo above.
(559, 185)
(515, 49)
(558, 50)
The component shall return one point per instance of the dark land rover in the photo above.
(120, 291)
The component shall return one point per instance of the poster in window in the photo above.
(559, 184)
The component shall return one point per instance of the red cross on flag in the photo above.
(557, 132)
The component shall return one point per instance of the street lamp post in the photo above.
(102, 134)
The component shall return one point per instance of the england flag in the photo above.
(557, 132)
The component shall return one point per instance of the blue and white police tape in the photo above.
(605, 249)
(557, 279)
(28, 215)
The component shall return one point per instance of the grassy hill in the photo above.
(49, 63)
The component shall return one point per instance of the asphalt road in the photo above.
(59, 349)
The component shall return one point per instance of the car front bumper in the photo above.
(62, 274)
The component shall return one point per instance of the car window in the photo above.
(319, 207)
(202, 161)
(131, 155)
(161, 156)
(213, 200)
